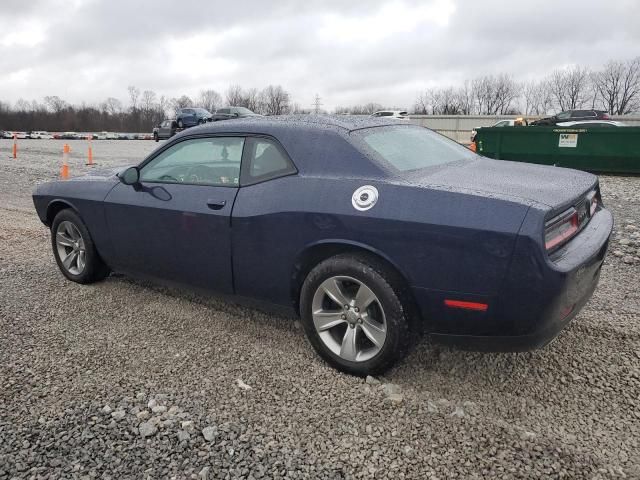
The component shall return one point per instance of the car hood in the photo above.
(551, 186)
(99, 174)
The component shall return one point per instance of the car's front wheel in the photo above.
(74, 250)
(353, 315)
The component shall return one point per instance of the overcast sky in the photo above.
(347, 51)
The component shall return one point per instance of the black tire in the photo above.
(95, 269)
(180, 124)
(200, 121)
(386, 285)
(155, 137)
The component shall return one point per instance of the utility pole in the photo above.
(317, 104)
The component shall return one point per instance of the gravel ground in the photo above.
(123, 379)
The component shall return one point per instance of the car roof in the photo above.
(300, 135)
(390, 111)
(347, 123)
(582, 122)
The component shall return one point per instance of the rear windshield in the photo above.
(410, 147)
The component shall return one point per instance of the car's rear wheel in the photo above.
(353, 316)
(74, 250)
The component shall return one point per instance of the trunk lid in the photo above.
(552, 186)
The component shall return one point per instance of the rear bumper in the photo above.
(513, 343)
(539, 298)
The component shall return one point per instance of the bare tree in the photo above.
(275, 100)
(444, 101)
(163, 105)
(252, 100)
(421, 106)
(483, 92)
(113, 106)
(210, 100)
(22, 105)
(465, 96)
(148, 100)
(134, 93)
(181, 102)
(506, 92)
(55, 103)
(234, 95)
(617, 86)
(570, 87)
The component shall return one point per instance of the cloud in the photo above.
(347, 52)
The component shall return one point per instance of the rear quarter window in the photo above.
(406, 148)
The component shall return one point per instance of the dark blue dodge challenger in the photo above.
(373, 232)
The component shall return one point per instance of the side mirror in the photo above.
(131, 176)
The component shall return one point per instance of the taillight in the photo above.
(593, 203)
(560, 229)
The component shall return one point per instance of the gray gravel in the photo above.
(123, 379)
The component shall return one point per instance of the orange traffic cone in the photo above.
(64, 171)
(90, 152)
(15, 145)
(473, 147)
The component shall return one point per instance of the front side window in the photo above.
(201, 161)
(242, 111)
(266, 160)
(564, 115)
(409, 147)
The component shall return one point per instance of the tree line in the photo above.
(614, 88)
(144, 110)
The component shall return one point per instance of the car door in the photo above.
(175, 225)
(165, 129)
(262, 237)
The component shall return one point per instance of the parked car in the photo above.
(113, 136)
(512, 122)
(572, 115)
(42, 135)
(395, 114)
(166, 129)
(372, 231)
(126, 136)
(6, 134)
(228, 113)
(592, 124)
(189, 117)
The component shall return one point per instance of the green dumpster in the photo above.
(598, 149)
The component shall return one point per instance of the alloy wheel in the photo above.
(71, 248)
(349, 318)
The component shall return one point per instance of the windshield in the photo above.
(410, 147)
(202, 111)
